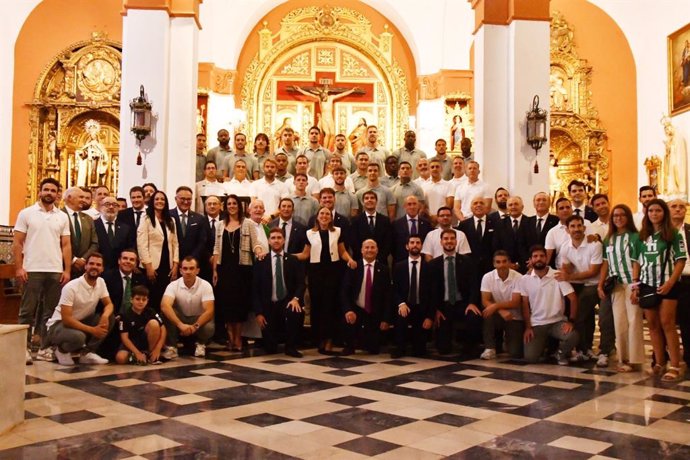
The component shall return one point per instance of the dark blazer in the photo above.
(341, 222)
(262, 281)
(590, 215)
(465, 276)
(194, 241)
(382, 290)
(496, 218)
(401, 232)
(382, 234)
(127, 217)
(516, 243)
(539, 238)
(483, 247)
(113, 282)
(125, 237)
(401, 283)
(298, 235)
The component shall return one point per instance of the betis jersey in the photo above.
(617, 252)
(650, 254)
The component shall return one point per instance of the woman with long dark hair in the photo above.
(158, 248)
(324, 250)
(617, 264)
(658, 260)
(236, 245)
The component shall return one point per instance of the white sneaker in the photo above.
(602, 360)
(65, 359)
(200, 351)
(45, 354)
(561, 359)
(92, 358)
(489, 353)
(169, 353)
(29, 359)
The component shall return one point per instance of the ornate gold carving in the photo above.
(325, 56)
(578, 142)
(222, 80)
(352, 67)
(299, 65)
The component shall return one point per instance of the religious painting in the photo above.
(679, 70)
(459, 123)
(201, 112)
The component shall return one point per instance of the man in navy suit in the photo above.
(542, 221)
(411, 307)
(191, 230)
(514, 235)
(412, 223)
(365, 298)
(481, 235)
(454, 292)
(278, 285)
(113, 235)
(295, 233)
(132, 216)
(373, 225)
(578, 198)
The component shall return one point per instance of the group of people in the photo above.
(377, 240)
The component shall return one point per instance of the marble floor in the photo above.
(272, 406)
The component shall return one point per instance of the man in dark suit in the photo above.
(132, 216)
(678, 208)
(191, 230)
(327, 200)
(411, 307)
(412, 223)
(578, 198)
(295, 233)
(455, 295)
(514, 235)
(278, 285)
(373, 225)
(113, 235)
(542, 221)
(365, 298)
(481, 234)
(213, 221)
(501, 198)
(83, 233)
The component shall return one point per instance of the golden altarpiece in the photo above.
(325, 66)
(75, 117)
(578, 141)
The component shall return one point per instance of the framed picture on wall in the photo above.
(679, 70)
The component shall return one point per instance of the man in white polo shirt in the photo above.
(43, 257)
(474, 187)
(543, 309)
(75, 326)
(432, 243)
(437, 192)
(188, 308)
(559, 233)
(269, 190)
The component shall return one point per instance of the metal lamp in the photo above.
(536, 128)
(141, 118)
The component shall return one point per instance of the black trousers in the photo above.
(281, 323)
(365, 331)
(325, 312)
(472, 334)
(683, 315)
(409, 330)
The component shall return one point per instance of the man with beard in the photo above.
(328, 181)
(377, 154)
(391, 177)
(75, 326)
(445, 161)
(219, 153)
(543, 309)
(200, 156)
(340, 151)
(404, 188)
(269, 190)
(208, 186)
(43, 256)
(359, 177)
(316, 153)
(294, 237)
(345, 200)
(409, 152)
(501, 196)
(132, 216)
(113, 235)
(241, 154)
(282, 173)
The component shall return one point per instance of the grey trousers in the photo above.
(41, 286)
(514, 330)
(203, 335)
(535, 348)
(70, 340)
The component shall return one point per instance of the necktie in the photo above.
(213, 226)
(412, 296)
(280, 283)
(539, 224)
(480, 230)
(371, 223)
(515, 226)
(577, 212)
(127, 295)
(368, 290)
(285, 234)
(137, 219)
(184, 225)
(111, 233)
(450, 275)
(413, 230)
(77, 226)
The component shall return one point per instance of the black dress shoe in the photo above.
(347, 351)
(395, 354)
(323, 351)
(293, 352)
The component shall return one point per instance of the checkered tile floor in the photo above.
(347, 407)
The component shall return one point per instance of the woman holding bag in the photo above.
(658, 260)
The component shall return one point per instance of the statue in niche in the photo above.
(675, 162)
(457, 133)
(358, 136)
(558, 93)
(52, 156)
(278, 136)
(200, 123)
(92, 159)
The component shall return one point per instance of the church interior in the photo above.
(613, 77)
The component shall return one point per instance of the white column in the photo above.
(182, 96)
(145, 61)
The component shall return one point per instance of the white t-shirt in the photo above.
(432, 243)
(502, 291)
(270, 193)
(313, 187)
(597, 228)
(43, 229)
(189, 301)
(235, 187)
(457, 182)
(82, 297)
(547, 305)
(581, 258)
(468, 191)
(436, 194)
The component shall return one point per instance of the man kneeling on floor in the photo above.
(141, 331)
(188, 309)
(75, 326)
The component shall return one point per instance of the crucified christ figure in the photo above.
(325, 97)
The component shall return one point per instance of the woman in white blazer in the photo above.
(158, 247)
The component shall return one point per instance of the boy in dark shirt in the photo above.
(141, 331)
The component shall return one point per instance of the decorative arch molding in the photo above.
(324, 25)
(80, 83)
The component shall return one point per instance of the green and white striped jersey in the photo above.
(617, 252)
(650, 253)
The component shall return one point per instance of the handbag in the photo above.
(647, 295)
(610, 284)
